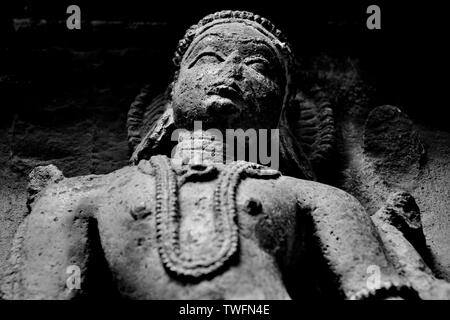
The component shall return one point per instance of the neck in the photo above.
(199, 147)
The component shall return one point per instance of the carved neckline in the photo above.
(168, 217)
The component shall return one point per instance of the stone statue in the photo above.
(185, 228)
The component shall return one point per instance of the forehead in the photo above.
(233, 36)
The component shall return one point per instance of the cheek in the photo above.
(186, 91)
(188, 94)
(263, 92)
(193, 83)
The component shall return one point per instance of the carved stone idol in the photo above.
(184, 221)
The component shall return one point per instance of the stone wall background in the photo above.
(64, 95)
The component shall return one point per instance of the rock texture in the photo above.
(66, 105)
(364, 175)
(392, 141)
(401, 230)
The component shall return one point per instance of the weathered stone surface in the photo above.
(391, 138)
(13, 199)
(402, 212)
(40, 178)
(405, 246)
(372, 182)
(281, 223)
(133, 246)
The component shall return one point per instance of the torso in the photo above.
(163, 227)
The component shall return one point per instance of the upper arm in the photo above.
(344, 233)
(49, 240)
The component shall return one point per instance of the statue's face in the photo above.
(229, 78)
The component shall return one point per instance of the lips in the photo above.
(224, 99)
(231, 91)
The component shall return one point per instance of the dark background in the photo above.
(404, 60)
(65, 94)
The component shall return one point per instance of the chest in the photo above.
(196, 220)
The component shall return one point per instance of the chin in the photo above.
(215, 113)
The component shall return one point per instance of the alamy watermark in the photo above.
(73, 281)
(74, 20)
(374, 20)
(373, 281)
(254, 145)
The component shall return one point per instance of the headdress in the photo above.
(306, 123)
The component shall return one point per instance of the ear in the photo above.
(311, 121)
(149, 123)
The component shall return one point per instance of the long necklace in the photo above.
(168, 217)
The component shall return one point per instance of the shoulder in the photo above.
(313, 190)
(64, 197)
(50, 192)
(49, 182)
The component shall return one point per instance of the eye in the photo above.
(206, 57)
(259, 64)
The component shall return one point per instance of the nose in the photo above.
(232, 66)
